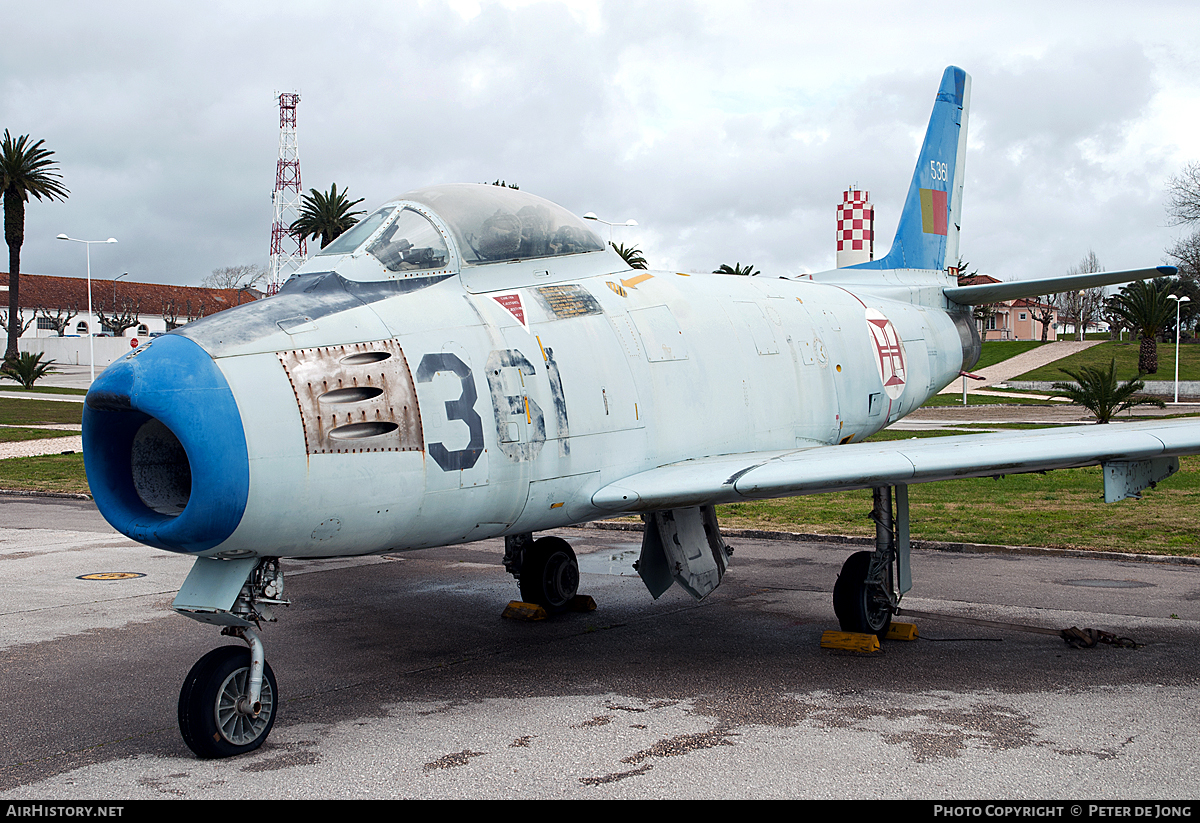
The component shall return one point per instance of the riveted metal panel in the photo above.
(356, 398)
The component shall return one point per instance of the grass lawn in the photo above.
(1061, 509)
(1126, 355)
(15, 411)
(41, 389)
(998, 351)
(49, 473)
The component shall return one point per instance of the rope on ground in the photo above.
(1074, 636)
(1087, 638)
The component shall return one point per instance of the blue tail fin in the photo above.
(927, 237)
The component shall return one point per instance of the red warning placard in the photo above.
(514, 305)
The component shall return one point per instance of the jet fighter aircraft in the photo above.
(472, 361)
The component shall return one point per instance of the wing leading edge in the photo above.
(1134, 455)
(1014, 289)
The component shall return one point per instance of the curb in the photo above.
(33, 493)
(1188, 389)
(928, 545)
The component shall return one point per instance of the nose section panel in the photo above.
(164, 447)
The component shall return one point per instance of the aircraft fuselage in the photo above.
(445, 414)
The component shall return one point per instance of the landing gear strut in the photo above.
(865, 595)
(546, 569)
(229, 699)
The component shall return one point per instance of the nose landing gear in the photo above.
(229, 699)
(217, 716)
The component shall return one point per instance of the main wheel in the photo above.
(549, 574)
(860, 607)
(209, 718)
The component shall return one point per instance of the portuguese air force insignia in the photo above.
(889, 360)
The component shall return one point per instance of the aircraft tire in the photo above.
(208, 720)
(856, 605)
(549, 574)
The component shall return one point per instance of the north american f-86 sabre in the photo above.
(472, 361)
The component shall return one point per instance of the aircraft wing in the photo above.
(1135, 455)
(1014, 289)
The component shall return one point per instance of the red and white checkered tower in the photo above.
(287, 250)
(855, 228)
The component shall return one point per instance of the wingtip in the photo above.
(1168, 271)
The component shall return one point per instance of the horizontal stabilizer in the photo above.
(1015, 289)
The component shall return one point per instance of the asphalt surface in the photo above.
(399, 678)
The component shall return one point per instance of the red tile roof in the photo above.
(43, 291)
(976, 280)
(1030, 302)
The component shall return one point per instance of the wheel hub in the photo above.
(235, 724)
(562, 579)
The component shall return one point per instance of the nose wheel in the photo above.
(216, 716)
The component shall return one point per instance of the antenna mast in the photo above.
(287, 250)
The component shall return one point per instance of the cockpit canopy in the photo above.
(408, 241)
(491, 224)
(444, 227)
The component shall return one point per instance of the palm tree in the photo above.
(24, 170)
(27, 368)
(632, 256)
(325, 215)
(738, 269)
(1146, 308)
(1097, 391)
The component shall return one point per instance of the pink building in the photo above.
(1014, 319)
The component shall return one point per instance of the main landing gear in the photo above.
(870, 585)
(229, 699)
(546, 569)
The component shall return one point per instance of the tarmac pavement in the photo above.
(399, 678)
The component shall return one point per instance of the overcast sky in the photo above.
(727, 129)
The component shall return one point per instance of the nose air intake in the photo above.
(164, 448)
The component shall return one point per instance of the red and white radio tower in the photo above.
(287, 250)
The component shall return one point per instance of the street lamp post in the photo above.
(91, 334)
(115, 279)
(1178, 300)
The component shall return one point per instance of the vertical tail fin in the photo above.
(927, 237)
